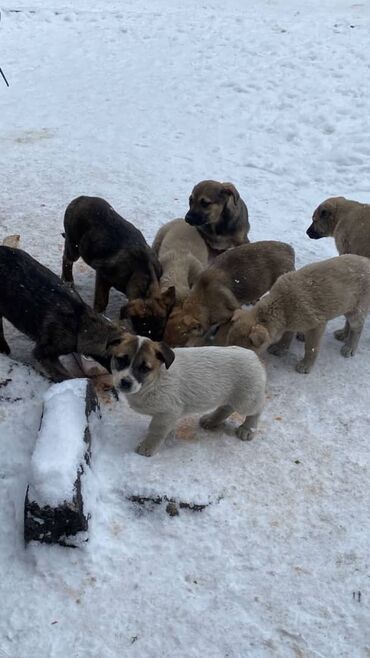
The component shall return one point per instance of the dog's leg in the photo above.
(282, 346)
(101, 296)
(214, 419)
(356, 323)
(159, 428)
(51, 363)
(311, 349)
(342, 334)
(4, 347)
(70, 255)
(247, 429)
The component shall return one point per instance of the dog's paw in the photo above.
(145, 449)
(347, 351)
(302, 367)
(277, 350)
(340, 334)
(244, 433)
(207, 423)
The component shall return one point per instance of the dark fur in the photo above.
(219, 214)
(38, 304)
(112, 246)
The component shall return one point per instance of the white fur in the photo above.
(217, 379)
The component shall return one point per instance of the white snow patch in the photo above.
(60, 447)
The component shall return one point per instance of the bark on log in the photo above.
(61, 524)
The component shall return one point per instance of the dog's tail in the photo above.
(12, 241)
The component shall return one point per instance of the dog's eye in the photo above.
(323, 214)
(144, 368)
(205, 203)
(122, 362)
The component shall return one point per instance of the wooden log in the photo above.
(54, 508)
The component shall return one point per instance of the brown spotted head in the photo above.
(137, 362)
(324, 219)
(208, 201)
(149, 316)
(246, 332)
(182, 326)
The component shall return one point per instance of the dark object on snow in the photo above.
(40, 305)
(173, 506)
(112, 246)
(3, 74)
(60, 525)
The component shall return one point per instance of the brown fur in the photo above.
(219, 214)
(348, 222)
(304, 301)
(183, 255)
(238, 276)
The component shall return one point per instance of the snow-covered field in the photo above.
(136, 102)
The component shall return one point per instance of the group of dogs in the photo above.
(179, 348)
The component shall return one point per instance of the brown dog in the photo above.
(238, 276)
(183, 255)
(219, 214)
(112, 246)
(348, 222)
(304, 301)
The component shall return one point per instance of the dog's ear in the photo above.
(258, 335)
(165, 354)
(231, 191)
(169, 297)
(237, 314)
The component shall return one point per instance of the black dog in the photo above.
(112, 246)
(38, 304)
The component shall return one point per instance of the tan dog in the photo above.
(238, 276)
(304, 301)
(183, 254)
(348, 222)
(219, 214)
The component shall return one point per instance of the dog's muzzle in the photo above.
(125, 384)
(194, 220)
(312, 233)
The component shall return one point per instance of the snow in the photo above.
(60, 447)
(137, 103)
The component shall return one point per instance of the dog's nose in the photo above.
(191, 219)
(125, 384)
(312, 233)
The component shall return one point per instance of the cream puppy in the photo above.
(171, 384)
(305, 301)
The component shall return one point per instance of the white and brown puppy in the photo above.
(170, 384)
(304, 301)
(348, 222)
(219, 214)
(183, 254)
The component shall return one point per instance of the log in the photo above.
(54, 508)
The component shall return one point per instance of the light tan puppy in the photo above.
(348, 222)
(238, 276)
(219, 214)
(183, 255)
(304, 301)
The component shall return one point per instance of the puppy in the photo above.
(110, 245)
(238, 276)
(219, 214)
(38, 304)
(347, 221)
(170, 384)
(183, 255)
(304, 301)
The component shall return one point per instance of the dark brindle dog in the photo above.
(38, 304)
(219, 214)
(112, 246)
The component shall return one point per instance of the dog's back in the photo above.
(29, 292)
(322, 290)
(98, 230)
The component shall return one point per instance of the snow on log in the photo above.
(54, 508)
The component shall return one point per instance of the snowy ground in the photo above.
(137, 102)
